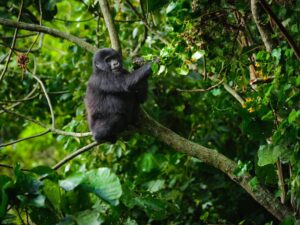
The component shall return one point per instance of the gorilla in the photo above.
(113, 95)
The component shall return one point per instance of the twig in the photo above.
(53, 130)
(73, 134)
(19, 100)
(33, 43)
(281, 182)
(261, 80)
(202, 90)
(3, 58)
(75, 21)
(18, 36)
(74, 154)
(12, 44)
(30, 48)
(234, 94)
(135, 51)
(46, 96)
(24, 139)
(10, 167)
(22, 100)
(24, 117)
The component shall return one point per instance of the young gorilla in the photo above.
(113, 95)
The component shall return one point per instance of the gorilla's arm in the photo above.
(133, 79)
(119, 83)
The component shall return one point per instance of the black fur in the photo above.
(113, 95)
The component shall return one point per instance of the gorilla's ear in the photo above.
(100, 66)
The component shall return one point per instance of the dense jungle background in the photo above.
(217, 140)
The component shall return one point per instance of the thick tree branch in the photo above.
(47, 30)
(216, 159)
(114, 38)
(264, 29)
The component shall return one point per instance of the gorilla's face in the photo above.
(108, 60)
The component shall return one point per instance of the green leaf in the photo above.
(170, 7)
(197, 55)
(152, 5)
(27, 183)
(103, 183)
(147, 162)
(183, 70)
(216, 92)
(154, 208)
(89, 217)
(37, 201)
(43, 216)
(276, 53)
(155, 185)
(52, 192)
(253, 183)
(72, 182)
(267, 154)
(268, 117)
(293, 116)
(162, 68)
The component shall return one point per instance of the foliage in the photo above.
(141, 180)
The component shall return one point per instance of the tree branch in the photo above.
(53, 130)
(74, 154)
(114, 38)
(234, 94)
(47, 30)
(264, 29)
(202, 90)
(12, 44)
(24, 139)
(217, 160)
(27, 97)
(46, 95)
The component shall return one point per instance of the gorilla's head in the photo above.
(108, 60)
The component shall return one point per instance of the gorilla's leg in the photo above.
(107, 129)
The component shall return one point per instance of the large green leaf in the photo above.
(103, 183)
(268, 154)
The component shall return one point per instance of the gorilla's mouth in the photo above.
(116, 69)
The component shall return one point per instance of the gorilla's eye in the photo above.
(108, 59)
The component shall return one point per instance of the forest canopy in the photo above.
(216, 142)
